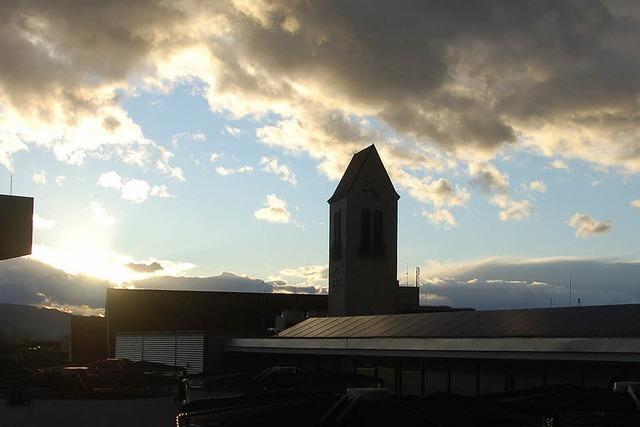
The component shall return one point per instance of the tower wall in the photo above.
(362, 277)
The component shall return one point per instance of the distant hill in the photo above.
(26, 321)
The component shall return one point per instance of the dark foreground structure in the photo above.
(190, 329)
(470, 353)
(377, 356)
(16, 226)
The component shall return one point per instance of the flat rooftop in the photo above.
(594, 333)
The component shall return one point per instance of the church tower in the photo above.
(363, 218)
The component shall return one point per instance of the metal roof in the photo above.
(591, 321)
(353, 170)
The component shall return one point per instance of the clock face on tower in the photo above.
(371, 190)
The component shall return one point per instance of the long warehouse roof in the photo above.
(591, 321)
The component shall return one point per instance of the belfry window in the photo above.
(378, 233)
(365, 232)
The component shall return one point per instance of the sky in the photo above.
(193, 144)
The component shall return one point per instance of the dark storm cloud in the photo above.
(226, 281)
(26, 281)
(30, 282)
(454, 80)
(223, 282)
(535, 283)
(466, 75)
(55, 46)
(462, 74)
(141, 267)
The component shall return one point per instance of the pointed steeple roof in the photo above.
(356, 165)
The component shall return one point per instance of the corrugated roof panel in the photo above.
(371, 325)
(325, 331)
(377, 323)
(299, 328)
(593, 321)
(355, 326)
(308, 325)
(394, 324)
(407, 327)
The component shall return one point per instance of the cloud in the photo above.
(489, 178)
(312, 273)
(559, 164)
(456, 85)
(41, 223)
(228, 282)
(441, 217)
(309, 279)
(215, 157)
(284, 172)
(99, 215)
(586, 226)
(27, 281)
(537, 186)
(134, 190)
(60, 180)
(186, 136)
(275, 211)
(31, 282)
(110, 180)
(160, 191)
(484, 284)
(512, 210)
(221, 170)
(223, 282)
(91, 256)
(496, 183)
(40, 177)
(519, 283)
(62, 90)
(233, 131)
(142, 267)
(635, 203)
(163, 165)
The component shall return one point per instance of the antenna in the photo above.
(11, 185)
(570, 296)
(407, 280)
(417, 277)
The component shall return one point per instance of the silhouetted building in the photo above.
(363, 242)
(418, 352)
(16, 226)
(190, 327)
(88, 338)
(465, 352)
(472, 352)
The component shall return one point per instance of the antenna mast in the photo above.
(407, 279)
(570, 295)
(417, 277)
(11, 185)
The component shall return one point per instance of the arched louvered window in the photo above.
(365, 232)
(378, 233)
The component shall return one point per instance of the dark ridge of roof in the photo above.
(575, 322)
(353, 170)
(194, 293)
